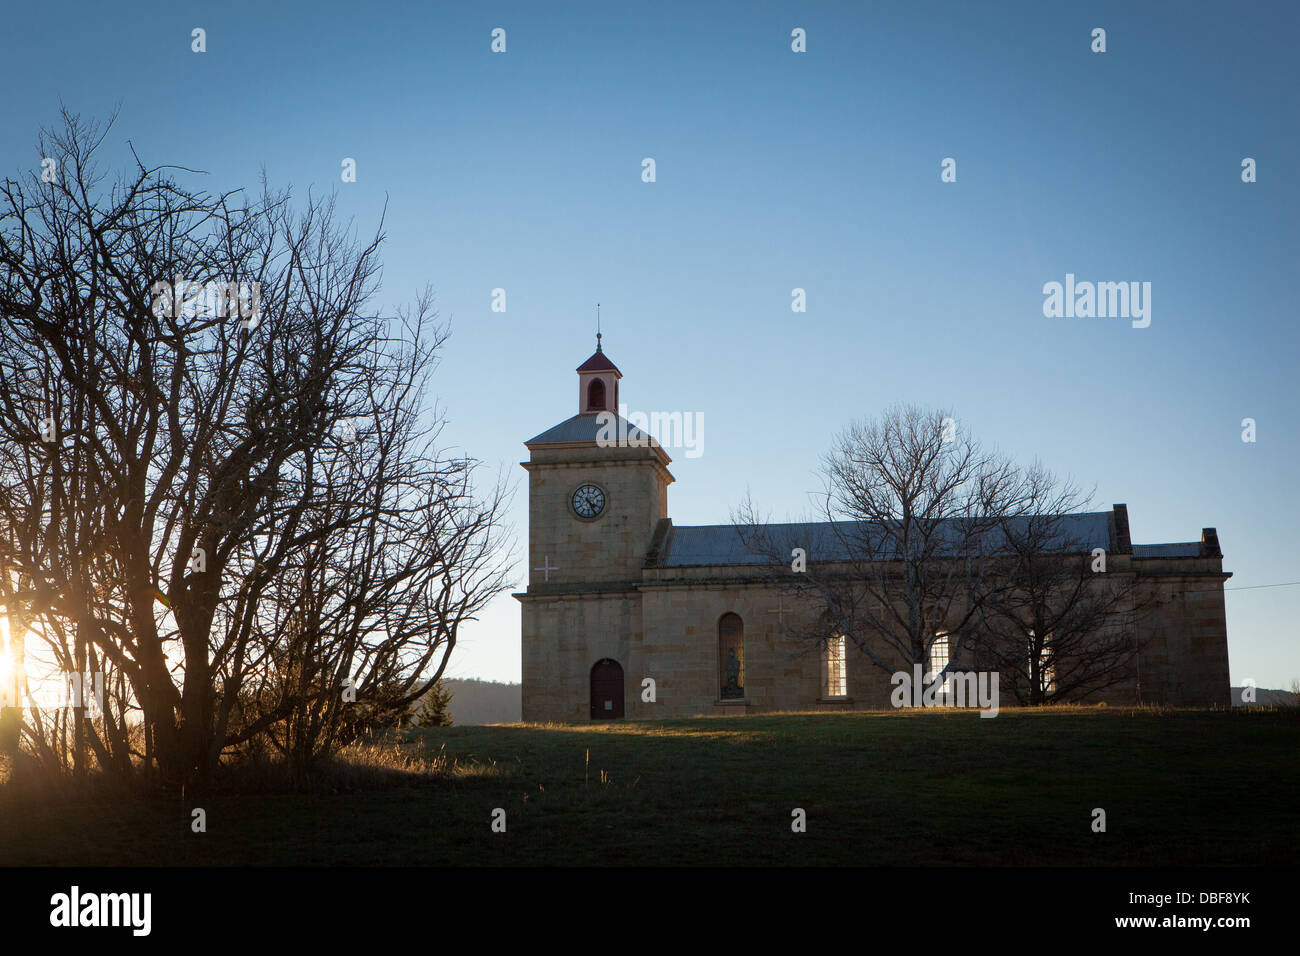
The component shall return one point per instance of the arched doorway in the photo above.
(606, 690)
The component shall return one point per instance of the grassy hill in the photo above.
(936, 787)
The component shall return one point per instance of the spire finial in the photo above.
(597, 326)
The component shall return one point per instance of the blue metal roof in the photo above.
(1188, 549)
(722, 544)
(585, 428)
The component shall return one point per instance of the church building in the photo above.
(618, 596)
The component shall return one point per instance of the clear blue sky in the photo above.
(778, 170)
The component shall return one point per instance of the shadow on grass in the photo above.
(1180, 787)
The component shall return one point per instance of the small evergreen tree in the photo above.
(433, 709)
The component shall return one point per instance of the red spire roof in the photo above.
(599, 362)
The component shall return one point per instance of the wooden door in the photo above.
(606, 690)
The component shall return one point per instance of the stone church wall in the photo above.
(563, 637)
(1186, 660)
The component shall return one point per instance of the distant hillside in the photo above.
(1265, 698)
(484, 702)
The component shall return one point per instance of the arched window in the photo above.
(596, 395)
(1046, 663)
(939, 651)
(835, 675)
(731, 657)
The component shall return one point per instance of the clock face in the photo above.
(588, 501)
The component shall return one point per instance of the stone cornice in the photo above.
(577, 463)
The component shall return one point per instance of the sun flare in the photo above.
(7, 671)
(9, 663)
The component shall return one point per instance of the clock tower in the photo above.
(597, 487)
(597, 491)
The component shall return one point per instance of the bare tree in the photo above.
(220, 483)
(927, 534)
(1061, 624)
(911, 508)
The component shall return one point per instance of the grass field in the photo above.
(920, 787)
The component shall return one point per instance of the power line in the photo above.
(1287, 584)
